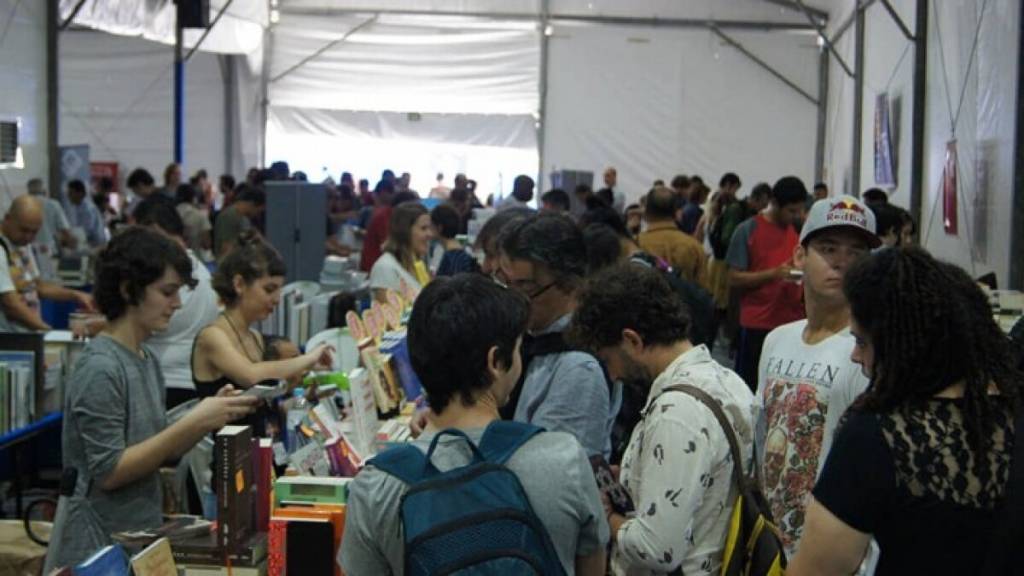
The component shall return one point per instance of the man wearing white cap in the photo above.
(805, 377)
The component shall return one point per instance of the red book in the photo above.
(277, 546)
(263, 470)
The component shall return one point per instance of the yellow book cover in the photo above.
(155, 560)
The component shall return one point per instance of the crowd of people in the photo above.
(871, 392)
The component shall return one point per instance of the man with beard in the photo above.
(677, 468)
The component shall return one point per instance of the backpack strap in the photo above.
(410, 465)
(730, 435)
(502, 438)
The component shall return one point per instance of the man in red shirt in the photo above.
(760, 260)
(377, 228)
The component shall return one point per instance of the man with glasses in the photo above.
(806, 379)
(544, 258)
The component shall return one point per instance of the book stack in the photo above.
(305, 541)
(203, 551)
(263, 481)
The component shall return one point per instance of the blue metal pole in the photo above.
(179, 95)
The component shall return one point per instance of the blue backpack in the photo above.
(475, 519)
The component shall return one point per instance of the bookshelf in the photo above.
(22, 400)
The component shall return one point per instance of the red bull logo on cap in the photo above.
(847, 212)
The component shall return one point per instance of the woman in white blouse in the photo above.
(409, 234)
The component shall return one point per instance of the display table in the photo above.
(20, 556)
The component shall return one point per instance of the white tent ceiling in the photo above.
(240, 30)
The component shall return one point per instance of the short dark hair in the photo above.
(76, 186)
(159, 210)
(522, 188)
(270, 343)
(453, 326)
(887, 218)
(185, 194)
(875, 196)
(661, 203)
(134, 259)
(246, 193)
(403, 197)
(551, 240)
(557, 198)
(606, 195)
(761, 190)
(820, 186)
(446, 220)
(582, 189)
(729, 179)
(605, 215)
(490, 232)
(227, 181)
(629, 296)
(139, 177)
(681, 181)
(789, 190)
(252, 259)
(604, 246)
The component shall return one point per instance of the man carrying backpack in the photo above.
(679, 467)
(474, 491)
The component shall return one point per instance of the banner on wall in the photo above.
(98, 170)
(949, 190)
(74, 165)
(885, 162)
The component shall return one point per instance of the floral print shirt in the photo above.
(678, 471)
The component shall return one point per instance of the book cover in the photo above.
(363, 411)
(263, 470)
(308, 547)
(205, 550)
(401, 364)
(610, 487)
(377, 369)
(335, 514)
(233, 450)
(155, 560)
(277, 538)
(107, 561)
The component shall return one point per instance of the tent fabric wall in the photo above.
(116, 96)
(406, 64)
(239, 31)
(23, 91)
(656, 102)
(984, 133)
(469, 129)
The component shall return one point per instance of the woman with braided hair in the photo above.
(922, 461)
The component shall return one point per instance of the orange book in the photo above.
(334, 513)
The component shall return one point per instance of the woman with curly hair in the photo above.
(115, 427)
(922, 461)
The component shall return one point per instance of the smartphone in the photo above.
(267, 392)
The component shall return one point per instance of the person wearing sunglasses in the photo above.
(543, 258)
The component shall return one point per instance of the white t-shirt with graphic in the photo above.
(802, 392)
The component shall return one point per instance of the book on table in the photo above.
(233, 477)
(155, 560)
(107, 561)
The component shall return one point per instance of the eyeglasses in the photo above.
(500, 279)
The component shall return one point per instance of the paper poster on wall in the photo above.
(74, 165)
(949, 190)
(885, 162)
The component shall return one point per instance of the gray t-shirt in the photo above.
(554, 473)
(114, 400)
(230, 225)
